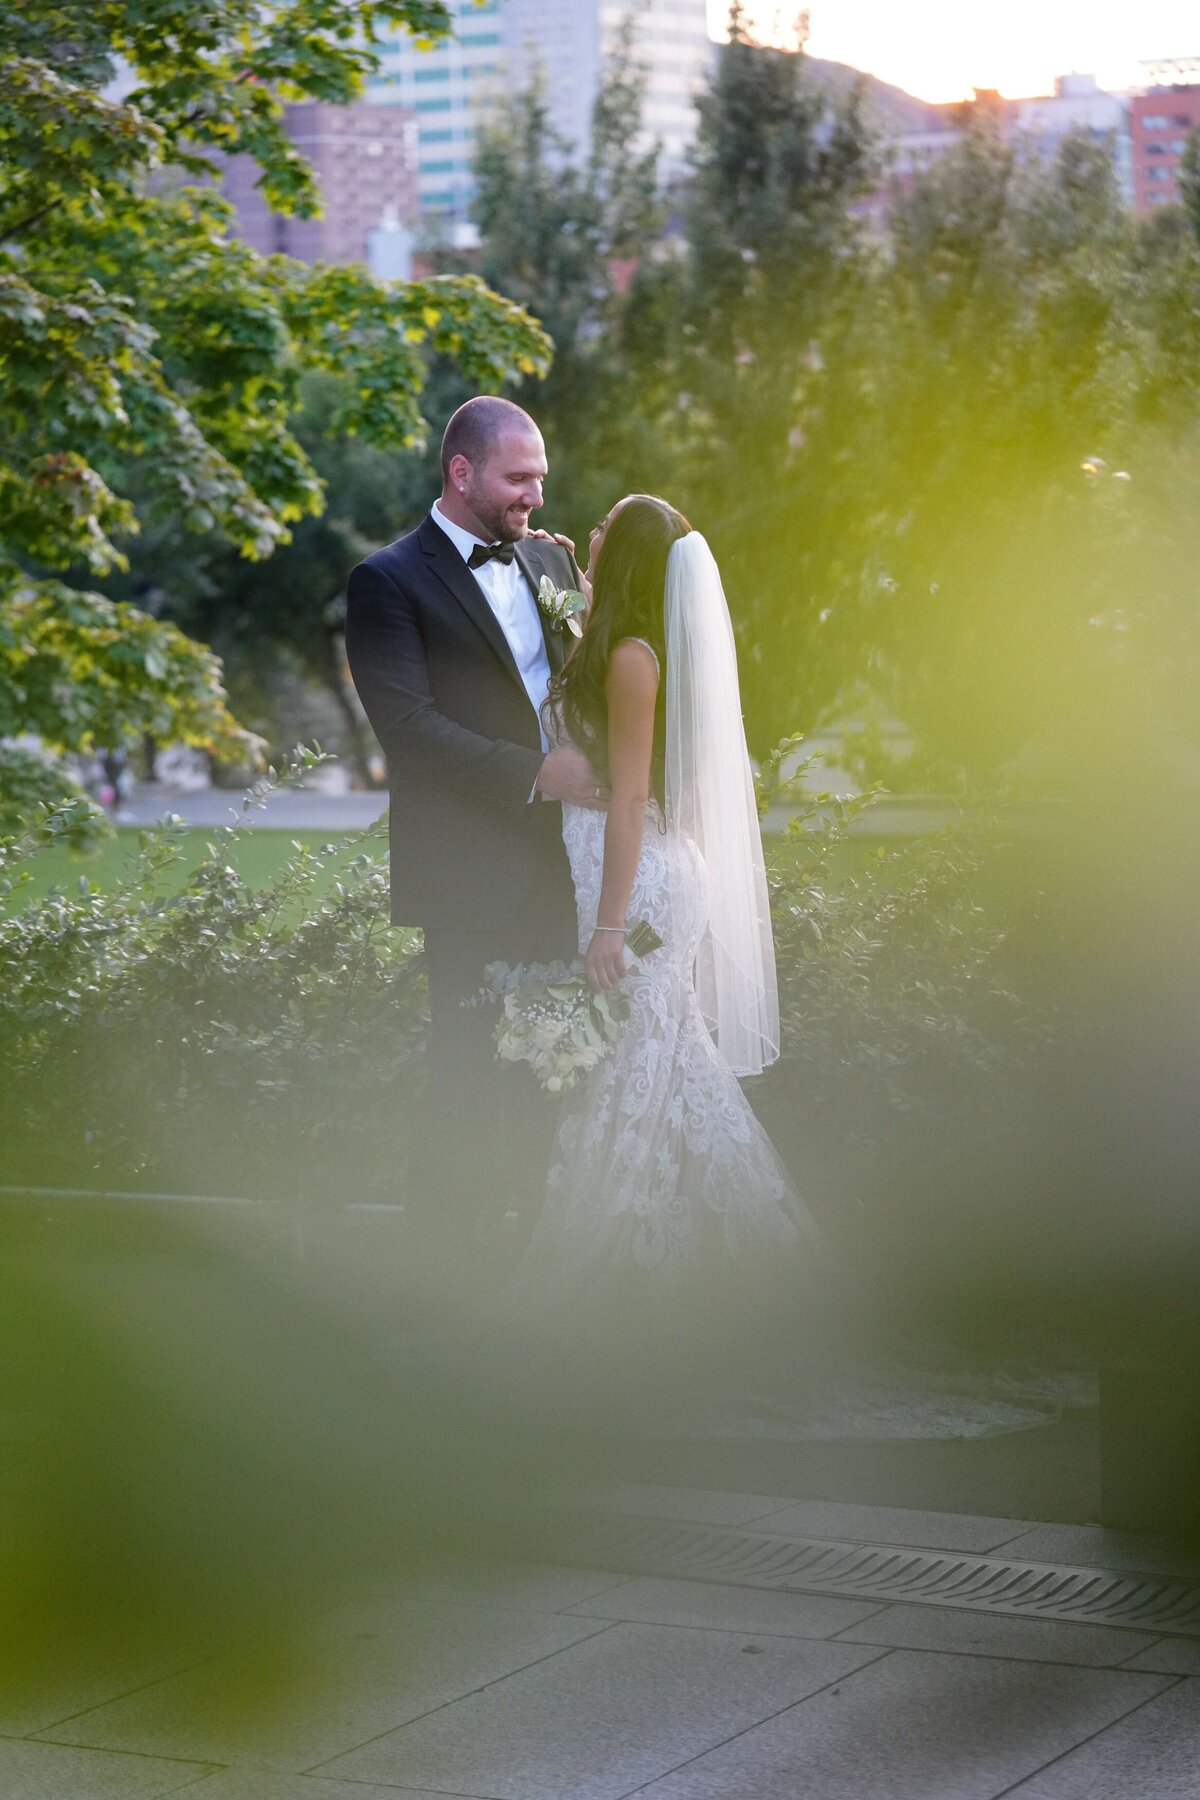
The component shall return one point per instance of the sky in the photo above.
(941, 49)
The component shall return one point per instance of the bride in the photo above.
(659, 1165)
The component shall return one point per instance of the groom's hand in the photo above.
(567, 775)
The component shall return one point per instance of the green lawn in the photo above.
(258, 855)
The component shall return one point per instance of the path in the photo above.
(556, 1682)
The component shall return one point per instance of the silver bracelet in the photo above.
(621, 928)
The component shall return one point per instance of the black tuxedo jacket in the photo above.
(433, 669)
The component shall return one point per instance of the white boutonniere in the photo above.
(562, 606)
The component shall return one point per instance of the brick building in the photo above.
(1159, 123)
(365, 158)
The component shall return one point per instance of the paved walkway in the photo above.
(539, 1682)
(300, 810)
(292, 809)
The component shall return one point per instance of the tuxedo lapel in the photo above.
(530, 565)
(450, 568)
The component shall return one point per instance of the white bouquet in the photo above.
(552, 1019)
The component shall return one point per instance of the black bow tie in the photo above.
(483, 553)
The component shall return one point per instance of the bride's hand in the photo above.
(605, 960)
(564, 542)
(553, 537)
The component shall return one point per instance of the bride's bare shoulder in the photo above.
(633, 664)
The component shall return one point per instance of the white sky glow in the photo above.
(941, 49)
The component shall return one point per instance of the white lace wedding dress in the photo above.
(659, 1162)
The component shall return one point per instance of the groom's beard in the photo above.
(501, 524)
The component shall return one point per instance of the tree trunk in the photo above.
(359, 736)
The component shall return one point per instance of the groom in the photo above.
(452, 656)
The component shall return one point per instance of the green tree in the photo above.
(277, 625)
(1014, 456)
(147, 353)
(943, 437)
(571, 238)
(757, 370)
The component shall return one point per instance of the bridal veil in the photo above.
(710, 797)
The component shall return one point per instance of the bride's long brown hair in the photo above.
(627, 601)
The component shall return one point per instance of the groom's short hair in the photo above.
(474, 429)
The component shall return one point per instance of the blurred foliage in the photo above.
(149, 357)
(1032, 456)
(943, 434)
(950, 465)
(909, 1038)
(905, 1028)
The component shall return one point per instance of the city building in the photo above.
(1160, 121)
(1077, 104)
(446, 91)
(498, 43)
(573, 37)
(365, 160)
(1037, 124)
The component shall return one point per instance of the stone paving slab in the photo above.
(1154, 1754)
(601, 1719)
(916, 1726)
(360, 1684)
(890, 1525)
(711, 1605)
(260, 1784)
(527, 1587)
(30, 1771)
(526, 1681)
(988, 1634)
(695, 1506)
(1170, 1656)
(1097, 1546)
(55, 1688)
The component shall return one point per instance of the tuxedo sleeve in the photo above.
(387, 660)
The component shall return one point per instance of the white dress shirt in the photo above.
(508, 594)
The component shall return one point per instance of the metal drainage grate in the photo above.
(887, 1572)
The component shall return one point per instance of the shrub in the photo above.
(908, 1039)
(39, 794)
(221, 1038)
